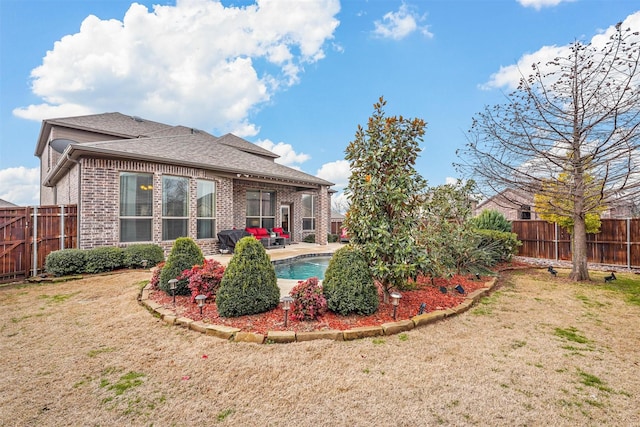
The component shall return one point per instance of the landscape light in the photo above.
(172, 286)
(200, 299)
(286, 306)
(395, 301)
(144, 263)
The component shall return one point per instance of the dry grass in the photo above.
(85, 353)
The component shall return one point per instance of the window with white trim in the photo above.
(308, 212)
(175, 207)
(206, 209)
(136, 207)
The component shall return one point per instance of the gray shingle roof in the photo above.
(5, 204)
(153, 141)
(197, 150)
(116, 124)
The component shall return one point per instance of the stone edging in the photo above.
(237, 335)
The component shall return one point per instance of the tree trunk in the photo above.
(385, 294)
(580, 270)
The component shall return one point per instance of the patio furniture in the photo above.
(228, 239)
(281, 233)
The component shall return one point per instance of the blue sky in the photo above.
(294, 76)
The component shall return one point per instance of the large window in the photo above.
(308, 212)
(175, 207)
(261, 208)
(136, 207)
(206, 209)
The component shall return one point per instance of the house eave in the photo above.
(74, 152)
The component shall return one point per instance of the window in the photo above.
(525, 212)
(175, 207)
(261, 208)
(136, 207)
(206, 209)
(308, 212)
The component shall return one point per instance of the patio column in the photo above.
(323, 215)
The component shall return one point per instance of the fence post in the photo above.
(61, 227)
(629, 243)
(35, 241)
(556, 240)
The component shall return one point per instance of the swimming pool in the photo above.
(303, 268)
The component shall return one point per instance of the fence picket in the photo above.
(618, 242)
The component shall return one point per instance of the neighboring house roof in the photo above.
(178, 145)
(337, 216)
(5, 204)
(508, 199)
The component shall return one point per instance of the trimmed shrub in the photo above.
(65, 262)
(103, 259)
(155, 277)
(249, 284)
(204, 279)
(348, 284)
(503, 245)
(134, 254)
(309, 238)
(490, 219)
(332, 238)
(185, 253)
(308, 300)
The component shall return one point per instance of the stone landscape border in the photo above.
(237, 335)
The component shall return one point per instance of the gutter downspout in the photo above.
(78, 214)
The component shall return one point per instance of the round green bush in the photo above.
(249, 284)
(65, 262)
(348, 284)
(185, 253)
(136, 253)
(106, 258)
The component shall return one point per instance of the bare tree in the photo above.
(577, 116)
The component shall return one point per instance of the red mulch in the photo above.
(274, 320)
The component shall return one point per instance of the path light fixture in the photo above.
(395, 301)
(200, 299)
(286, 306)
(460, 289)
(144, 263)
(172, 286)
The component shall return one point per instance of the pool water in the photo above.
(303, 268)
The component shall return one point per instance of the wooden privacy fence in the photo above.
(618, 242)
(29, 234)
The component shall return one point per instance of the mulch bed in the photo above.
(425, 292)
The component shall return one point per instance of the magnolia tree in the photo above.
(574, 117)
(385, 193)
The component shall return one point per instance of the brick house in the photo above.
(513, 204)
(518, 205)
(136, 180)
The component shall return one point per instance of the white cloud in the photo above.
(198, 62)
(288, 155)
(539, 4)
(340, 203)
(509, 76)
(20, 186)
(337, 172)
(400, 24)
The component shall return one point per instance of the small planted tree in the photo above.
(385, 192)
(249, 284)
(184, 255)
(348, 285)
